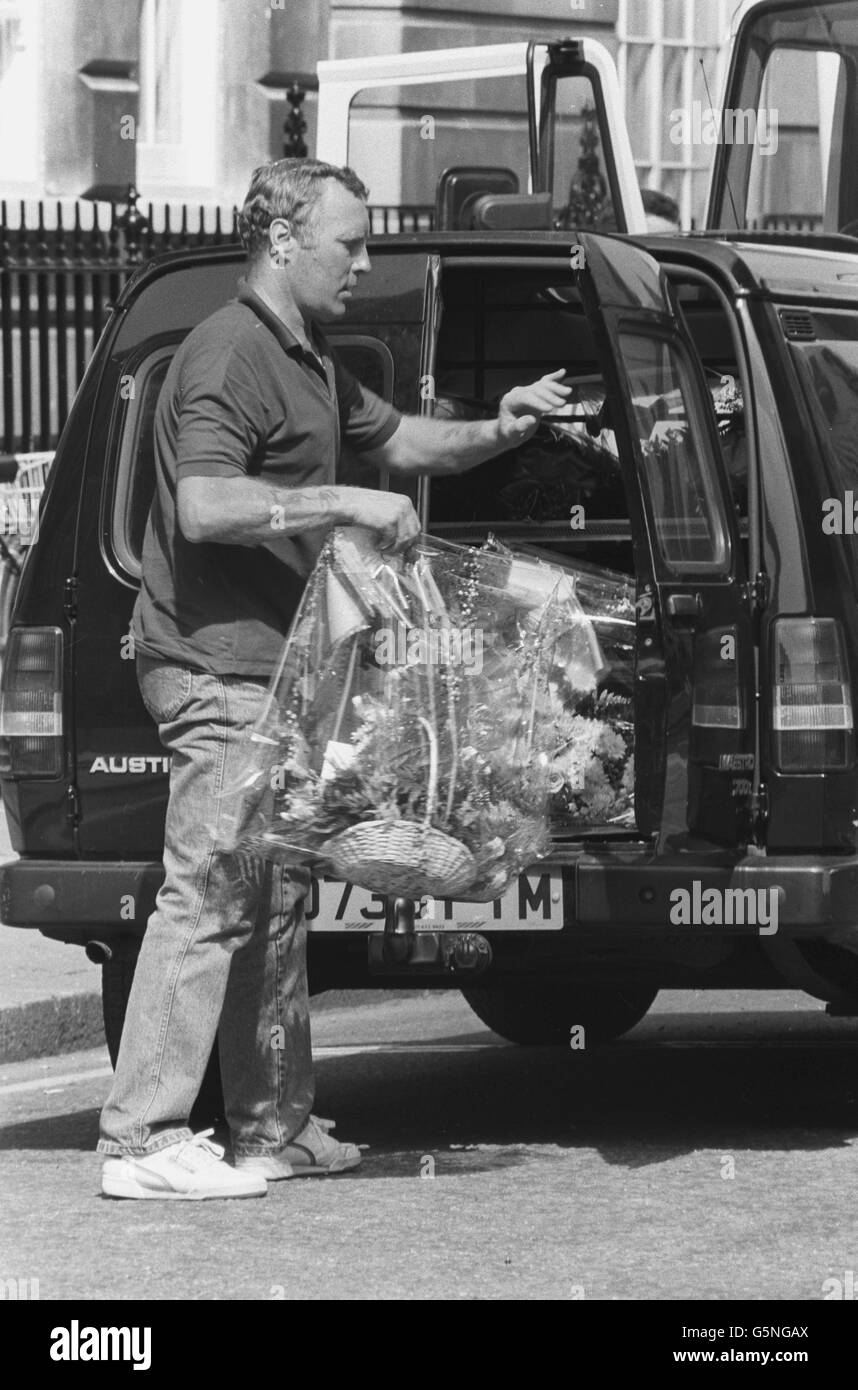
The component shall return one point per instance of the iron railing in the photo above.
(61, 267)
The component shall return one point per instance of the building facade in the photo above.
(183, 97)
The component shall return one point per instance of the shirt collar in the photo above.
(282, 332)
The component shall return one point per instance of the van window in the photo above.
(135, 473)
(368, 358)
(688, 514)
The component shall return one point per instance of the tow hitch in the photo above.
(403, 950)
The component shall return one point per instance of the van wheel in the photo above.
(537, 1013)
(116, 977)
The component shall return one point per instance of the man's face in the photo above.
(324, 270)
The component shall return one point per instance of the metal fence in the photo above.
(62, 265)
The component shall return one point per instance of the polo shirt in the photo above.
(242, 397)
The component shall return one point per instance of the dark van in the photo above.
(740, 867)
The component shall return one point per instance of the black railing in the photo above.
(59, 274)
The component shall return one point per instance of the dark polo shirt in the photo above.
(243, 397)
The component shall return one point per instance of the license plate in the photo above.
(534, 903)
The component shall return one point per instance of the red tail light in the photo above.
(812, 722)
(31, 704)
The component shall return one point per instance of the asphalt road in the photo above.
(708, 1155)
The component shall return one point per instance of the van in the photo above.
(708, 457)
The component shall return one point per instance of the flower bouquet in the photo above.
(592, 710)
(407, 737)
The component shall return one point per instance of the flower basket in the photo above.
(407, 858)
(407, 738)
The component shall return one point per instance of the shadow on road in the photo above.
(637, 1102)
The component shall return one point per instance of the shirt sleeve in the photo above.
(366, 420)
(220, 413)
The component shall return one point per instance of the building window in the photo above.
(176, 150)
(665, 47)
(20, 85)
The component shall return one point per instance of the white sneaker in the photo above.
(191, 1170)
(312, 1153)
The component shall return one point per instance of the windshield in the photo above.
(785, 157)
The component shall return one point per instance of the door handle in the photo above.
(685, 608)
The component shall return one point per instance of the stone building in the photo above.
(182, 97)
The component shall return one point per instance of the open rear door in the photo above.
(789, 121)
(532, 111)
(694, 686)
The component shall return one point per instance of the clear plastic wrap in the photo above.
(409, 738)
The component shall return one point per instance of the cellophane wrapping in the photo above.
(424, 707)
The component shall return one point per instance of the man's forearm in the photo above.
(248, 511)
(424, 445)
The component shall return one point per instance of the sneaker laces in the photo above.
(199, 1152)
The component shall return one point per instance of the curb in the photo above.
(45, 1027)
(74, 1022)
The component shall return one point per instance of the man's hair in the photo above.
(660, 205)
(289, 188)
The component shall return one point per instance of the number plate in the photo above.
(534, 903)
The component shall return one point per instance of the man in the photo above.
(247, 435)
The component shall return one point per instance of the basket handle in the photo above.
(432, 790)
(451, 704)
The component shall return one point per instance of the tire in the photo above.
(117, 975)
(539, 1013)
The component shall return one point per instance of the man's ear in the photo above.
(281, 240)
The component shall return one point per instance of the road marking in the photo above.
(61, 1080)
(45, 1083)
(320, 1053)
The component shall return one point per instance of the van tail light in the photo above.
(31, 704)
(718, 707)
(812, 722)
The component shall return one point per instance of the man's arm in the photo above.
(424, 445)
(247, 511)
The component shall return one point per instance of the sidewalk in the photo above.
(50, 996)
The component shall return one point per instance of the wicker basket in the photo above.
(406, 858)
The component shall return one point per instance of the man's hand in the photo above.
(522, 408)
(389, 514)
(433, 446)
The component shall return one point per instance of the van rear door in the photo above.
(694, 687)
(789, 121)
(421, 128)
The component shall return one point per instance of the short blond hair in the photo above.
(289, 188)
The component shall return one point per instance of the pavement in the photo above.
(50, 993)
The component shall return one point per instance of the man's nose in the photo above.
(362, 264)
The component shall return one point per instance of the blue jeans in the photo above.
(224, 952)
